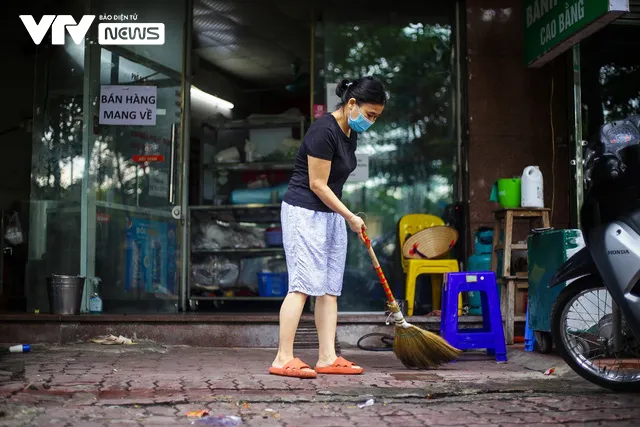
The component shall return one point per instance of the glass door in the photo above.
(134, 175)
(133, 161)
(412, 150)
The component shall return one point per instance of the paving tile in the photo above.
(73, 386)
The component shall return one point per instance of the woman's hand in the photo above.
(357, 225)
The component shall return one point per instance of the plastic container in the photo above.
(273, 236)
(273, 284)
(259, 195)
(95, 304)
(251, 195)
(509, 192)
(65, 294)
(532, 192)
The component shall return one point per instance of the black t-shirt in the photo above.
(324, 140)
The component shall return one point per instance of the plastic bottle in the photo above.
(95, 304)
(20, 348)
(532, 193)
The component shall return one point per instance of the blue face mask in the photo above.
(360, 123)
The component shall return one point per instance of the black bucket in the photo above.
(65, 294)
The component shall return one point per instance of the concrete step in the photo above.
(205, 330)
(307, 337)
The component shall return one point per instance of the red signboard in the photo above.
(148, 158)
(103, 217)
(319, 110)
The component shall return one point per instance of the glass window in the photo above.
(57, 169)
(412, 148)
(127, 236)
(134, 245)
(610, 76)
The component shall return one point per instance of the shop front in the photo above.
(163, 191)
(107, 162)
(578, 34)
(174, 215)
(608, 76)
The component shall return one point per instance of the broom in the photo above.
(414, 347)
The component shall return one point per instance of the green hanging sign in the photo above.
(551, 27)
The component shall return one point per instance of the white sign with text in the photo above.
(159, 184)
(128, 105)
(361, 173)
(332, 98)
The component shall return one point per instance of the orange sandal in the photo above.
(294, 368)
(340, 367)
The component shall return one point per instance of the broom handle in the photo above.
(376, 265)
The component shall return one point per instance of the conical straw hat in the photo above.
(430, 243)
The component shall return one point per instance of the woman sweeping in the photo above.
(314, 225)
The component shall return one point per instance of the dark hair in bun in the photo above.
(366, 90)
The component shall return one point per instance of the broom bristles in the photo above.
(417, 348)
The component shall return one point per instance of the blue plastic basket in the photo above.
(273, 237)
(273, 284)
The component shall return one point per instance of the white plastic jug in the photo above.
(532, 194)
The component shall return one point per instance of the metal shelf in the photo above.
(253, 124)
(256, 298)
(257, 213)
(252, 166)
(278, 250)
(235, 207)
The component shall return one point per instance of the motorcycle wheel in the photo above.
(579, 363)
(543, 341)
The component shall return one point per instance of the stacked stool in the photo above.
(491, 335)
(508, 279)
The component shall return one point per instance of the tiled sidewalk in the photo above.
(148, 384)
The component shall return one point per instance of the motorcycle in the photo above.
(595, 321)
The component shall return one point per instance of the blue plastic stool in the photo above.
(529, 338)
(491, 335)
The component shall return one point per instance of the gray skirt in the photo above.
(315, 245)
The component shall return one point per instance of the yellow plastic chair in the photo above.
(436, 268)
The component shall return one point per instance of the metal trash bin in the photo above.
(65, 293)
